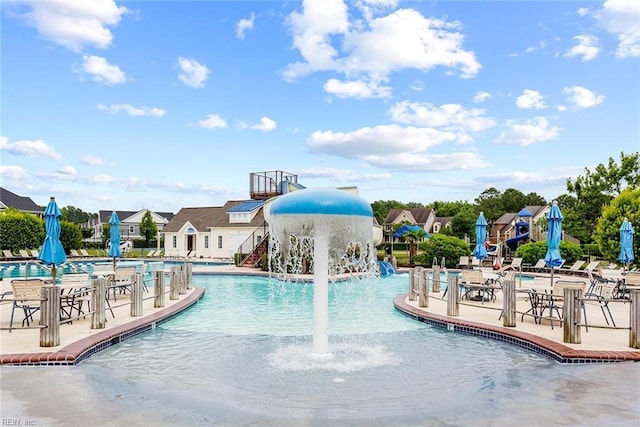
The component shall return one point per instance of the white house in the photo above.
(129, 223)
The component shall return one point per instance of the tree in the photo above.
(448, 209)
(381, 208)
(70, 235)
(73, 214)
(463, 223)
(490, 203)
(607, 233)
(19, 230)
(148, 227)
(597, 187)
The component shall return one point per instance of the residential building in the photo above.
(423, 217)
(129, 223)
(20, 203)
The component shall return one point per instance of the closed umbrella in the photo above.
(52, 252)
(480, 251)
(554, 234)
(626, 243)
(114, 250)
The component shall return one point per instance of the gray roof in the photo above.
(122, 215)
(421, 215)
(203, 219)
(12, 200)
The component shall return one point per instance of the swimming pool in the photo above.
(241, 357)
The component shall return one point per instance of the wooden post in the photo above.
(189, 276)
(453, 305)
(509, 304)
(634, 318)
(423, 288)
(158, 289)
(50, 316)
(435, 279)
(173, 284)
(412, 284)
(183, 279)
(571, 315)
(136, 295)
(98, 316)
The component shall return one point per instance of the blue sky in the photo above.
(129, 105)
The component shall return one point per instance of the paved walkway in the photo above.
(78, 340)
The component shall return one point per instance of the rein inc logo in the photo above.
(17, 422)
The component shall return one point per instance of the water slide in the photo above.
(386, 269)
(513, 242)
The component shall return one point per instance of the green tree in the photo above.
(490, 203)
(607, 233)
(441, 246)
(73, 214)
(596, 188)
(463, 223)
(70, 235)
(148, 227)
(448, 209)
(381, 208)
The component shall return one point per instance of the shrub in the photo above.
(532, 252)
(442, 246)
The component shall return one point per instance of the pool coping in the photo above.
(546, 347)
(74, 353)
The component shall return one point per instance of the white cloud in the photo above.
(622, 19)
(341, 175)
(91, 160)
(583, 11)
(266, 125)
(530, 132)
(29, 148)
(582, 97)
(481, 96)
(407, 162)
(451, 117)
(213, 121)
(358, 89)
(530, 99)
(75, 23)
(243, 25)
(192, 73)
(101, 71)
(369, 50)
(586, 47)
(13, 172)
(68, 170)
(131, 110)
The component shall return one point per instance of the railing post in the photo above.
(435, 278)
(509, 304)
(173, 284)
(571, 315)
(136, 295)
(50, 316)
(158, 289)
(453, 305)
(423, 289)
(183, 279)
(634, 318)
(189, 276)
(98, 302)
(412, 284)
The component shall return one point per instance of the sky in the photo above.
(160, 105)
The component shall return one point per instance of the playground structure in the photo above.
(522, 228)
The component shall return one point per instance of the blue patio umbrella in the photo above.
(480, 252)
(114, 249)
(52, 252)
(626, 242)
(554, 235)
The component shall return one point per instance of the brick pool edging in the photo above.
(536, 344)
(77, 351)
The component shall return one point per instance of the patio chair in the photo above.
(26, 297)
(473, 281)
(539, 267)
(600, 294)
(553, 302)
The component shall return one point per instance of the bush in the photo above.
(442, 246)
(532, 252)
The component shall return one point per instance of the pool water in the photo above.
(240, 357)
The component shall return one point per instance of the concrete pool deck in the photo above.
(78, 340)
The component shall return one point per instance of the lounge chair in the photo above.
(574, 269)
(84, 253)
(539, 267)
(464, 262)
(150, 253)
(35, 253)
(24, 254)
(74, 253)
(7, 254)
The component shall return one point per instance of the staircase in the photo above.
(254, 256)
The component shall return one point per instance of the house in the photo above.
(215, 232)
(441, 222)
(20, 203)
(129, 223)
(424, 217)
